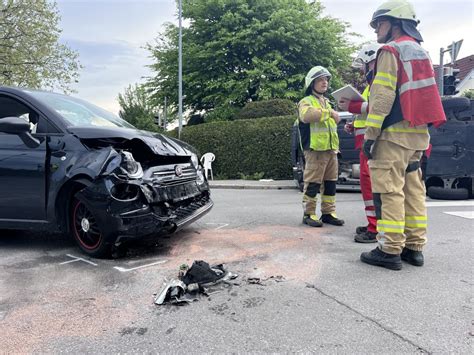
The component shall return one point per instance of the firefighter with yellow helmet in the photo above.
(403, 100)
(317, 123)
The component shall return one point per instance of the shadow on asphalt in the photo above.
(156, 246)
(34, 240)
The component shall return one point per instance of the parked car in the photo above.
(67, 165)
(449, 171)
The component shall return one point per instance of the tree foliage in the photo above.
(30, 54)
(236, 51)
(135, 108)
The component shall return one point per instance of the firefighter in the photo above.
(320, 142)
(403, 100)
(365, 61)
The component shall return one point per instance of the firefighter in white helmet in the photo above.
(404, 99)
(320, 142)
(364, 61)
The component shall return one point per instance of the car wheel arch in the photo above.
(64, 197)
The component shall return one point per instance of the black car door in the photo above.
(22, 169)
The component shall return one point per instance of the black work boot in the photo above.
(330, 218)
(367, 237)
(379, 258)
(361, 229)
(312, 220)
(413, 257)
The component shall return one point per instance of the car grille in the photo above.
(169, 178)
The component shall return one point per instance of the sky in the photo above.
(110, 35)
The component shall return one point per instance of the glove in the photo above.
(367, 148)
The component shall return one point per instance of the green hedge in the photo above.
(245, 147)
(267, 108)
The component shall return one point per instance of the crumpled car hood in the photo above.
(158, 143)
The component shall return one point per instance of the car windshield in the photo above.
(79, 112)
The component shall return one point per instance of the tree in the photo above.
(469, 93)
(136, 109)
(236, 51)
(30, 54)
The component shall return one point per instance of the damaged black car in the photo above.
(69, 166)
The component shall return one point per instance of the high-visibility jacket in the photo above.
(417, 99)
(360, 119)
(321, 135)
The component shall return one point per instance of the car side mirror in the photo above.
(19, 127)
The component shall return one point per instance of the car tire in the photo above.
(87, 232)
(456, 103)
(441, 193)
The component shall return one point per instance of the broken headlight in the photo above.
(200, 177)
(195, 160)
(130, 166)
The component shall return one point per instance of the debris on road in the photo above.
(200, 279)
(261, 281)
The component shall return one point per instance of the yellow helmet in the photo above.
(398, 9)
(314, 73)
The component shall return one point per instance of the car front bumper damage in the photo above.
(132, 209)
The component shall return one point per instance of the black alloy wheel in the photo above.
(86, 230)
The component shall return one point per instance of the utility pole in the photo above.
(440, 72)
(180, 75)
(164, 116)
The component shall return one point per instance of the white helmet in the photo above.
(367, 54)
(314, 73)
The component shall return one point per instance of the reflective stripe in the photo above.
(329, 199)
(360, 132)
(359, 122)
(384, 83)
(387, 76)
(406, 130)
(418, 84)
(391, 223)
(317, 129)
(375, 117)
(385, 79)
(410, 51)
(390, 229)
(416, 221)
(390, 226)
(368, 203)
(370, 213)
(374, 120)
(373, 124)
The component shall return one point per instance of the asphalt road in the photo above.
(328, 301)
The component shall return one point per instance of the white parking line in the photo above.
(122, 269)
(449, 203)
(76, 258)
(463, 214)
(222, 225)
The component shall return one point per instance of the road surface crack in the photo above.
(423, 350)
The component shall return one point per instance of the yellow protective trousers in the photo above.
(320, 175)
(399, 197)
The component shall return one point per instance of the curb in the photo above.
(252, 187)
